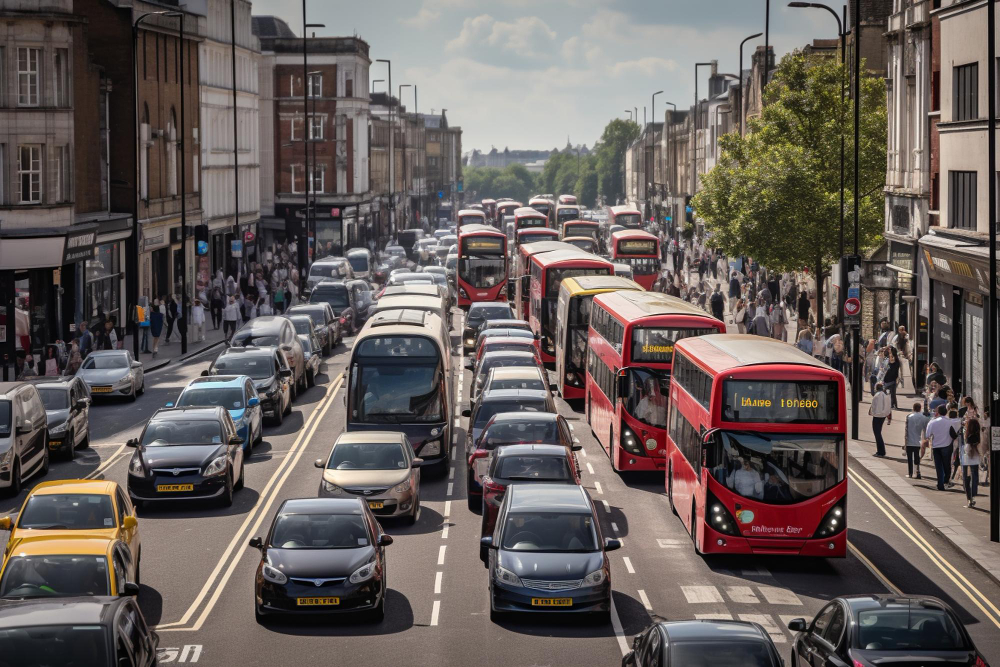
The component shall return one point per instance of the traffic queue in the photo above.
(739, 427)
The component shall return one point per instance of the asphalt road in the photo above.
(197, 571)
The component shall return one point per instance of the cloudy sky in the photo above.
(527, 73)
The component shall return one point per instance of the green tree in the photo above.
(610, 151)
(774, 194)
(492, 183)
(586, 183)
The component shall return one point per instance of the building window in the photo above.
(27, 76)
(104, 278)
(144, 154)
(60, 68)
(3, 76)
(965, 87)
(296, 170)
(348, 84)
(316, 128)
(29, 173)
(60, 172)
(962, 199)
(291, 85)
(296, 128)
(315, 85)
(172, 154)
(3, 174)
(318, 180)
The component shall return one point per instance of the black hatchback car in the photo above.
(341, 300)
(76, 631)
(703, 643)
(479, 313)
(186, 454)
(868, 630)
(321, 555)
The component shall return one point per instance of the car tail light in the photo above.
(343, 320)
(477, 454)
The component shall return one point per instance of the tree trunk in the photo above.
(819, 293)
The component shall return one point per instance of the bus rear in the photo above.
(507, 207)
(641, 251)
(482, 265)
(758, 448)
(565, 213)
(544, 206)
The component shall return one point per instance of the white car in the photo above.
(112, 372)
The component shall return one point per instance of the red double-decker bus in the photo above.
(527, 216)
(490, 206)
(641, 251)
(547, 271)
(631, 343)
(522, 264)
(626, 215)
(536, 234)
(757, 448)
(544, 206)
(506, 207)
(472, 216)
(482, 265)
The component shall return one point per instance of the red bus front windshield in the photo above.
(482, 261)
(580, 229)
(641, 254)
(523, 223)
(531, 237)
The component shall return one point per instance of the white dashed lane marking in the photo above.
(779, 596)
(597, 486)
(628, 565)
(435, 612)
(672, 544)
(590, 468)
(441, 551)
(702, 594)
(437, 583)
(645, 600)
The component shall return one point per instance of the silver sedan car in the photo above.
(112, 373)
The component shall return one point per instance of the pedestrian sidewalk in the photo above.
(944, 512)
(171, 353)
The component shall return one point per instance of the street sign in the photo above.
(461, 186)
(852, 307)
(850, 268)
(440, 194)
(236, 248)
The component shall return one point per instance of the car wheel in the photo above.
(239, 482)
(71, 450)
(378, 614)
(294, 391)
(279, 415)
(311, 379)
(43, 467)
(15, 478)
(260, 435)
(670, 490)
(288, 405)
(132, 396)
(412, 518)
(142, 387)
(473, 501)
(227, 496)
(85, 443)
(328, 348)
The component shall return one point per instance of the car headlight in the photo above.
(331, 488)
(363, 573)
(5, 460)
(58, 429)
(432, 448)
(402, 488)
(135, 466)
(595, 578)
(273, 574)
(125, 378)
(216, 467)
(505, 576)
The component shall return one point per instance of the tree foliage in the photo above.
(610, 152)
(491, 183)
(775, 193)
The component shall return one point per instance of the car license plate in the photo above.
(165, 488)
(55, 444)
(551, 602)
(317, 602)
(100, 390)
(376, 504)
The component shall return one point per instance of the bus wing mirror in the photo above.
(622, 384)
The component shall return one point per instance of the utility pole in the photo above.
(856, 381)
(236, 135)
(992, 358)
(184, 260)
(392, 153)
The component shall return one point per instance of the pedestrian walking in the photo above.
(805, 341)
(881, 414)
(778, 320)
(51, 366)
(803, 310)
(971, 460)
(171, 305)
(217, 304)
(86, 339)
(279, 300)
(892, 378)
(915, 438)
(198, 320)
(230, 316)
(74, 361)
(761, 325)
(941, 433)
(718, 303)
(142, 314)
(156, 317)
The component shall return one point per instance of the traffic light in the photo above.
(201, 239)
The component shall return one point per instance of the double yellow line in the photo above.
(896, 517)
(230, 558)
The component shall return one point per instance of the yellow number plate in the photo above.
(551, 602)
(100, 390)
(174, 487)
(317, 602)
(376, 504)
(55, 444)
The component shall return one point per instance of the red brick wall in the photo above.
(288, 91)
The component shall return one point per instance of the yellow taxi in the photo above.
(62, 566)
(75, 508)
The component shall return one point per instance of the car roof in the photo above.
(295, 317)
(63, 544)
(107, 353)
(249, 350)
(200, 414)
(40, 612)
(485, 305)
(264, 322)
(511, 322)
(83, 486)
(507, 394)
(355, 437)
(64, 380)
(712, 630)
(327, 286)
(533, 450)
(357, 251)
(865, 602)
(219, 381)
(506, 354)
(516, 372)
(321, 506)
(502, 332)
(548, 497)
(525, 416)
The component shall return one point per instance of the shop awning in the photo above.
(958, 262)
(43, 248)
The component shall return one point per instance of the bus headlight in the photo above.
(630, 441)
(834, 522)
(462, 293)
(718, 516)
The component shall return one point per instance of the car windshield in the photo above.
(387, 392)
(520, 432)
(54, 398)
(483, 313)
(327, 270)
(358, 262)
(534, 468)
(549, 531)
(302, 326)
(726, 653)
(230, 398)
(55, 576)
(498, 360)
(367, 456)
(166, 432)
(913, 628)
(50, 645)
(314, 313)
(490, 408)
(259, 366)
(248, 337)
(5, 418)
(105, 361)
(335, 295)
(319, 531)
(67, 511)
(521, 383)
(646, 399)
(777, 468)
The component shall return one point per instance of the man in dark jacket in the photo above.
(734, 291)
(718, 305)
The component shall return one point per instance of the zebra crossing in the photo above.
(735, 602)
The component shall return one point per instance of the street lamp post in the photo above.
(629, 112)
(406, 183)
(742, 107)
(392, 153)
(856, 352)
(669, 161)
(184, 263)
(991, 356)
(652, 105)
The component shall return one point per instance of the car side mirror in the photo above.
(26, 426)
(466, 413)
(253, 402)
(256, 542)
(5, 523)
(797, 625)
(611, 544)
(129, 589)
(204, 373)
(236, 440)
(136, 364)
(286, 373)
(417, 462)
(576, 448)
(132, 442)
(384, 540)
(319, 463)
(81, 403)
(487, 542)
(129, 523)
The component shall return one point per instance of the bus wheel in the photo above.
(670, 489)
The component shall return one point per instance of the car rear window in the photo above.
(908, 629)
(726, 653)
(534, 468)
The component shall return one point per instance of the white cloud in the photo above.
(527, 36)
(648, 66)
(425, 18)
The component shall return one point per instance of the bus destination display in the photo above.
(780, 402)
(656, 345)
(484, 244)
(637, 247)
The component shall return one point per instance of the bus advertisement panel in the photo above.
(641, 251)
(482, 265)
(757, 448)
(631, 344)
(576, 296)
